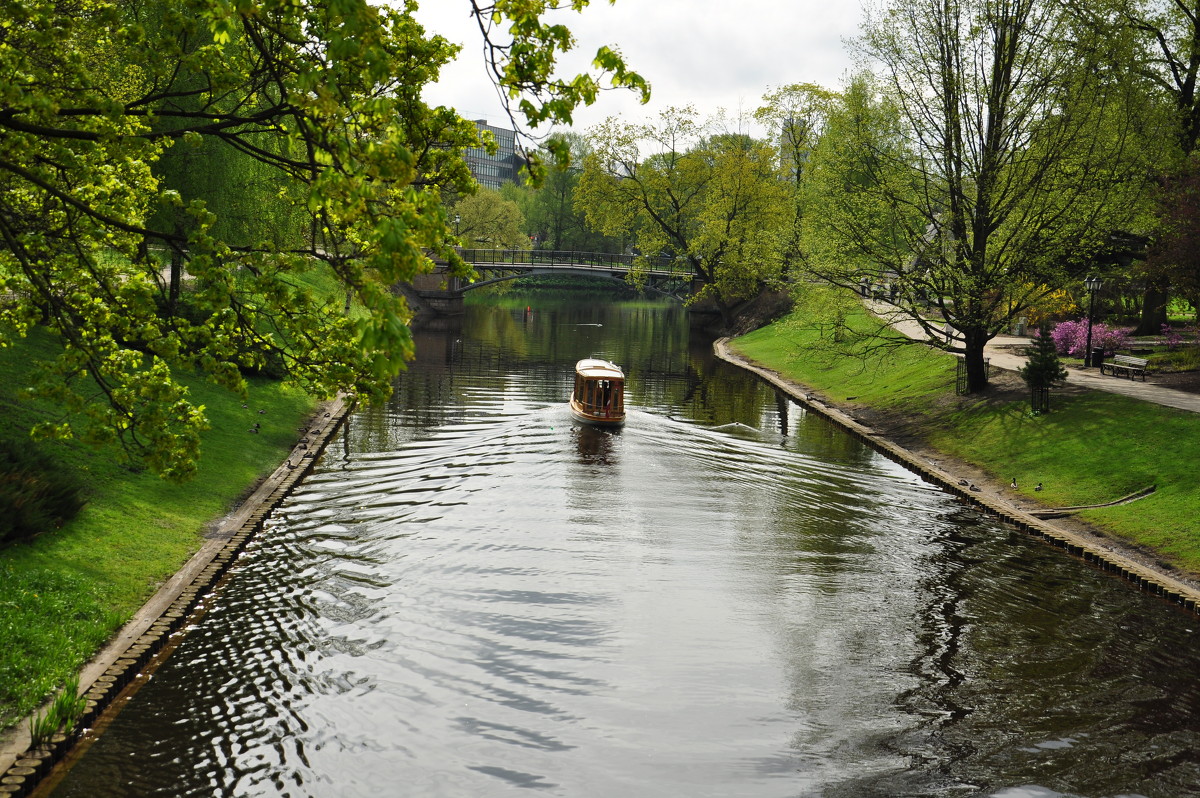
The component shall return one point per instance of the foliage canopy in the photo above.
(176, 177)
(990, 164)
(686, 195)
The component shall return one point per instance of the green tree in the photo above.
(1042, 370)
(795, 118)
(554, 217)
(318, 105)
(1157, 43)
(1174, 259)
(486, 220)
(1005, 163)
(714, 202)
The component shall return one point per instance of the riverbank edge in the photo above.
(1093, 551)
(129, 658)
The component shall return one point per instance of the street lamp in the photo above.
(1093, 284)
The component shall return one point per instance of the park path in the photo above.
(1001, 351)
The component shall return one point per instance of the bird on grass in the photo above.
(1039, 486)
(1014, 483)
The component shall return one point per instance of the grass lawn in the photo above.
(1092, 448)
(63, 594)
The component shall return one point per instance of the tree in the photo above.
(1175, 257)
(795, 117)
(992, 174)
(553, 216)
(485, 219)
(315, 104)
(1042, 370)
(713, 202)
(1164, 53)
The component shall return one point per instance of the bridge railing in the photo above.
(549, 257)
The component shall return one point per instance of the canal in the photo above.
(473, 596)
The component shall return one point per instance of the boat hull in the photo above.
(584, 417)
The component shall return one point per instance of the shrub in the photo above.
(35, 493)
(1042, 369)
(1070, 337)
(1171, 337)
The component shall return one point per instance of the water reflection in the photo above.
(595, 444)
(474, 595)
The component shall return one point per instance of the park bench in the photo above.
(1125, 364)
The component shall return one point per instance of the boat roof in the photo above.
(599, 369)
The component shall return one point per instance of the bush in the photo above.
(35, 493)
(1070, 337)
(1042, 369)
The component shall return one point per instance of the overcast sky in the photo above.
(708, 53)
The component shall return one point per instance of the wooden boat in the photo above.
(599, 395)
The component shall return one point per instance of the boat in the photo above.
(599, 395)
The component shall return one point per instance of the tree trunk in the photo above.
(973, 344)
(1154, 312)
(176, 277)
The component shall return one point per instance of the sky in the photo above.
(712, 54)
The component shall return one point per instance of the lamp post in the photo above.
(1093, 284)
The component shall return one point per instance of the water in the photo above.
(473, 596)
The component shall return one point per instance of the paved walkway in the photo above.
(1001, 354)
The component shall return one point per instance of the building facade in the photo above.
(494, 170)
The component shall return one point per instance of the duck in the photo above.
(1039, 486)
(1013, 484)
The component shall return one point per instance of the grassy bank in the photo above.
(1092, 448)
(66, 592)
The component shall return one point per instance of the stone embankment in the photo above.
(1091, 550)
(111, 678)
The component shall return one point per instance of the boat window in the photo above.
(600, 397)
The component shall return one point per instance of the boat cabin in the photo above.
(599, 395)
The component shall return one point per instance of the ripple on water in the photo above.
(473, 596)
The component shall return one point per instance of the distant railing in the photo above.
(549, 257)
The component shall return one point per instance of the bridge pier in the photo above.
(434, 293)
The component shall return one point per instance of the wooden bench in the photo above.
(1125, 364)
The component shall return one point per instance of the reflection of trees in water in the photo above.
(667, 364)
(1035, 669)
(935, 701)
(1029, 667)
